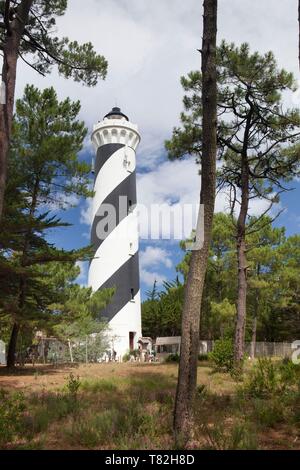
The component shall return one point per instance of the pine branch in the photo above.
(31, 65)
(57, 59)
(268, 222)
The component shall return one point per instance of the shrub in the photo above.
(117, 424)
(172, 358)
(268, 379)
(46, 409)
(202, 357)
(202, 391)
(12, 408)
(222, 355)
(262, 380)
(73, 385)
(289, 372)
(269, 413)
(240, 437)
(126, 357)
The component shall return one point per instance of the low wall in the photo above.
(2, 353)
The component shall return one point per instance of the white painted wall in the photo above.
(128, 319)
(2, 353)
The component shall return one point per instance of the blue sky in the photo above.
(149, 45)
(158, 258)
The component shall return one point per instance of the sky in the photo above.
(149, 45)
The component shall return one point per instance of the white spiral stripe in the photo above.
(112, 173)
(116, 250)
(121, 319)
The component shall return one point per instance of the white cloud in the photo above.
(172, 182)
(175, 184)
(154, 258)
(149, 45)
(86, 212)
(82, 278)
(178, 183)
(148, 277)
(62, 202)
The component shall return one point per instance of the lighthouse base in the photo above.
(124, 330)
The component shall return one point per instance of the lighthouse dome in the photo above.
(116, 113)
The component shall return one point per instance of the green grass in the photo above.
(99, 385)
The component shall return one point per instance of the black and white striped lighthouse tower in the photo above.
(116, 263)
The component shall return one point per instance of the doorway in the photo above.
(131, 340)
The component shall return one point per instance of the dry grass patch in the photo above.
(130, 406)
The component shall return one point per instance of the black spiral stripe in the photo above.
(126, 188)
(125, 280)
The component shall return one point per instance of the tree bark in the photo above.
(256, 313)
(239, 341)
(86, 349)
(22, 288)
(12, 346)
(9, 71)
(241, 302)
(187, 377)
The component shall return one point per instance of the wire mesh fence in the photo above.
(169, 345)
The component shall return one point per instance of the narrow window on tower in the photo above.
(129, 208)
(132, 294)
(131, 249)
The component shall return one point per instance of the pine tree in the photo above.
(81, 325)
(162, 311)
(262, 252)
(258, 142)
(187, 376)
(45, 174)
(27, 31)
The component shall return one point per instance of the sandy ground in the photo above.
(31, 379)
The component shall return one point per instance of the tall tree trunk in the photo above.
(256, 313)
(241, 301)
(86, 350)
(239, 341)
(10, 48)
(187, 377)
(12, 346)
(22, 288)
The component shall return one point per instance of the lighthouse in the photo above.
(114, 233)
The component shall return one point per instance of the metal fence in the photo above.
(262, 349)
(267, 349)
(171, 345)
